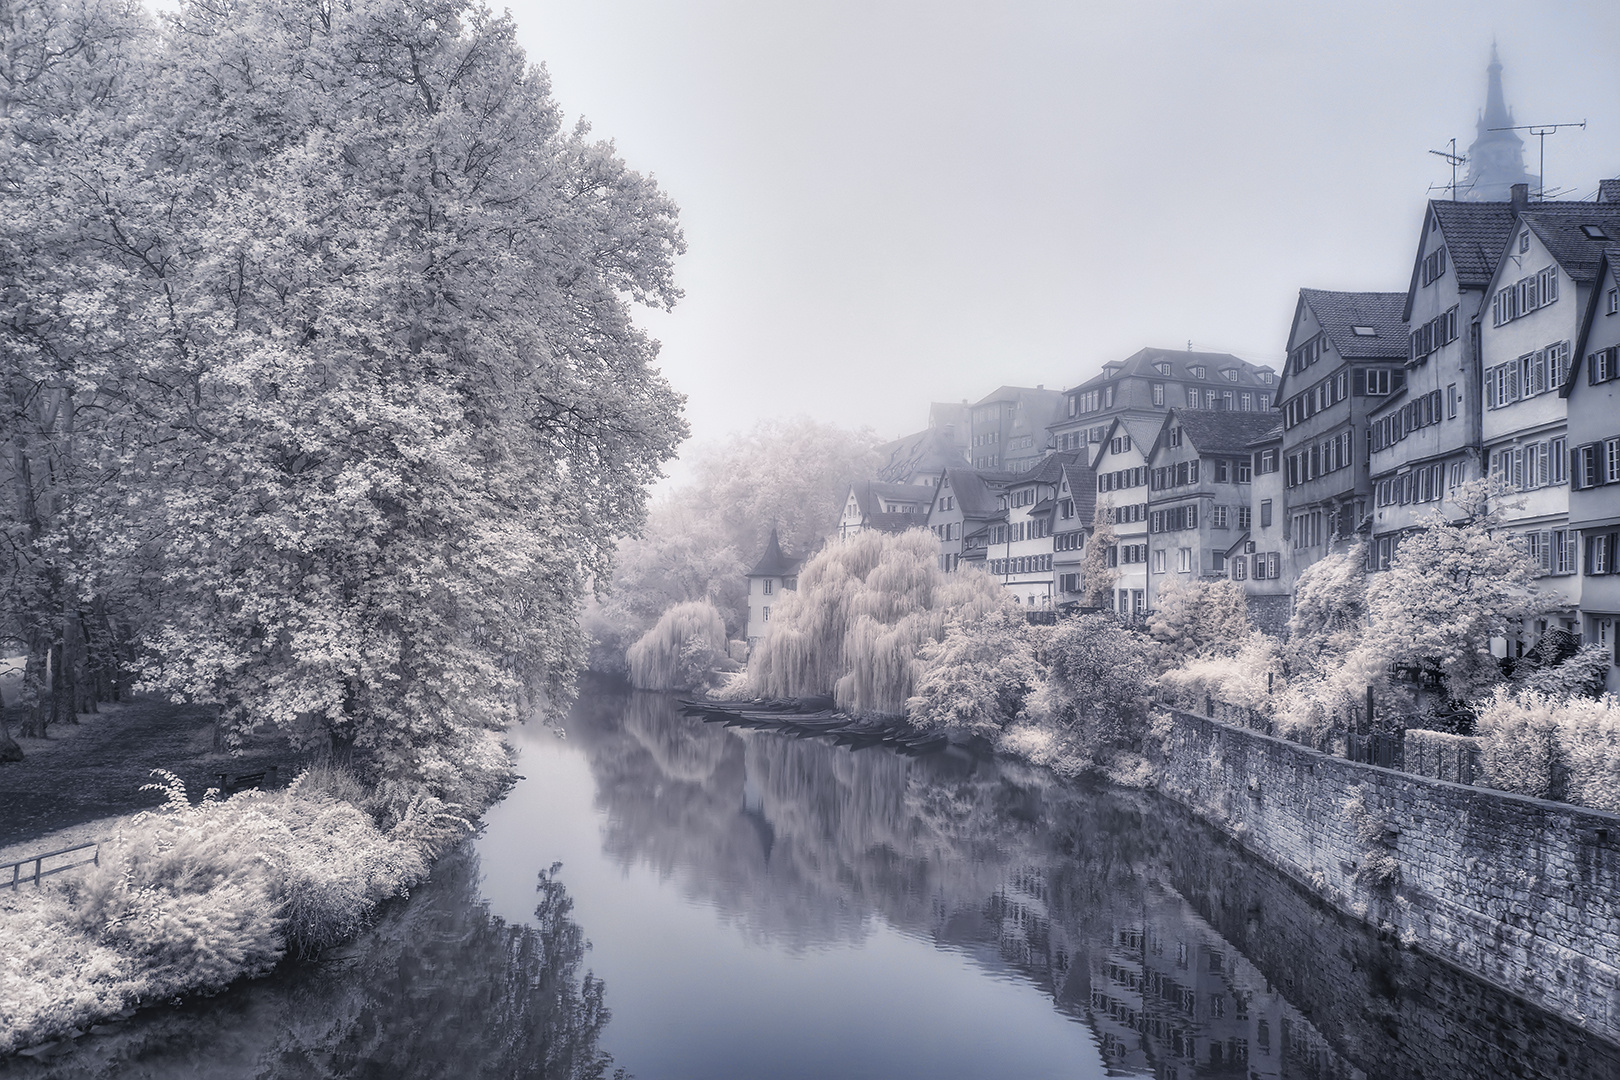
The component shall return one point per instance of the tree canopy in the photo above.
(319, 316)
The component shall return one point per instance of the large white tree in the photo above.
(387, 411)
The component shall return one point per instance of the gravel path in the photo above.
(95, 769)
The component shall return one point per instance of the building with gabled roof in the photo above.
(1259, 558)
(1121, 470)
(1200, 472)
(1346, 353)
(1424, 439)
(966, 502)
(1592, 394)
(775, 572)
(891, 508)
(1076, 509)
(1020, 552)
(1149, 382)
(1544, 281)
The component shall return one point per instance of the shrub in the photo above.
(190, 898)
(1541, 745)
(1099, 677)
(682, 649)
(977, 679)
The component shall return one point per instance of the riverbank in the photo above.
(1521, 892)
(191, 897)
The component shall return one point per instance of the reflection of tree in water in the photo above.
(438, 988)
(1080, 890)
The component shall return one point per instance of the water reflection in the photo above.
(438, 988)
(1185, 958)
(940, 916)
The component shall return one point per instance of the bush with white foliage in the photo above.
(1552, 747)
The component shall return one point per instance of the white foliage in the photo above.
(864, 609)
(1535, 743)
(682, 649)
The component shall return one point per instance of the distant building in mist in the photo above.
(1007, 428)
(1496, 158)
(1149, 383)
(775, 573)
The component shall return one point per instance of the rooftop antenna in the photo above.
(1454, 159)
(1541, 131)
(1189, 344)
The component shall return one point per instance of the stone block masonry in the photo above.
(1522, 892)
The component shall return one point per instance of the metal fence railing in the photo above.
(38, 863)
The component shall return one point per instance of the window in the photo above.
(1243, 516)
(1222, 471)
(1268, 460)
(1525, 295)
(1524, 241)
(1602, 366)
(767, 613)
(1614, 301)
(1240, 568)
(1158, 393)
(769, 582)
(1594, 232)
(1229, 374)
(1438, 331)
(1184, 560)
(1199, 371)
(1162, 367)
(1193, 397)
(1434, 265)
(1557, 459)
(1245, 470)
(1378, 382)
(1158, 560)
(1245, 402)
(1218, 516)
(1452, 399)
(1175, 436)
(1363, 331)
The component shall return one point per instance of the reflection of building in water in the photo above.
(1170, 998)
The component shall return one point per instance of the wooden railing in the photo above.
(38, 861)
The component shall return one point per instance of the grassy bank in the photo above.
(189, 898)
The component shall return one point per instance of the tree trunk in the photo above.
(35, 715)
(9, 750)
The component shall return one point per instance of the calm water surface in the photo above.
(740, 904)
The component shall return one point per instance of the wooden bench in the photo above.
(243, 782)
(18, 877)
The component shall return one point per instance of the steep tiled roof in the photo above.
(1475, 234)
(868, 492)
(1560, 226)
(1341, 312)
(926, 452)
(1082, 489)
(1141, 363)
(774, 563)
(975, 490)
(1225, 432)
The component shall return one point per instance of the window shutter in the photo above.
(1359, 383)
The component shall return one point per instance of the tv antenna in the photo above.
(1454, 159)
(1541, 131)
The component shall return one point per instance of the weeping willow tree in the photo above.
(681, 650)
(864, 609)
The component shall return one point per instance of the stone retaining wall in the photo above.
(1522, 892)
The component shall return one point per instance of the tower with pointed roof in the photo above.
(1496, 158)
(775, 573)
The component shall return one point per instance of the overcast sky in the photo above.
(890, 203)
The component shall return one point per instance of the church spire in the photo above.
(1496, 159)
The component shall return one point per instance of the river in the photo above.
(681, 900)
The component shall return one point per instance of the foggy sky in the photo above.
(889, 203)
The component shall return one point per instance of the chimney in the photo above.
(1520, 197)
(1609, 191)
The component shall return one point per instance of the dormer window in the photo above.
(1229, 374)
(1162, 367)
(1363, 331)
(1199, 371)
